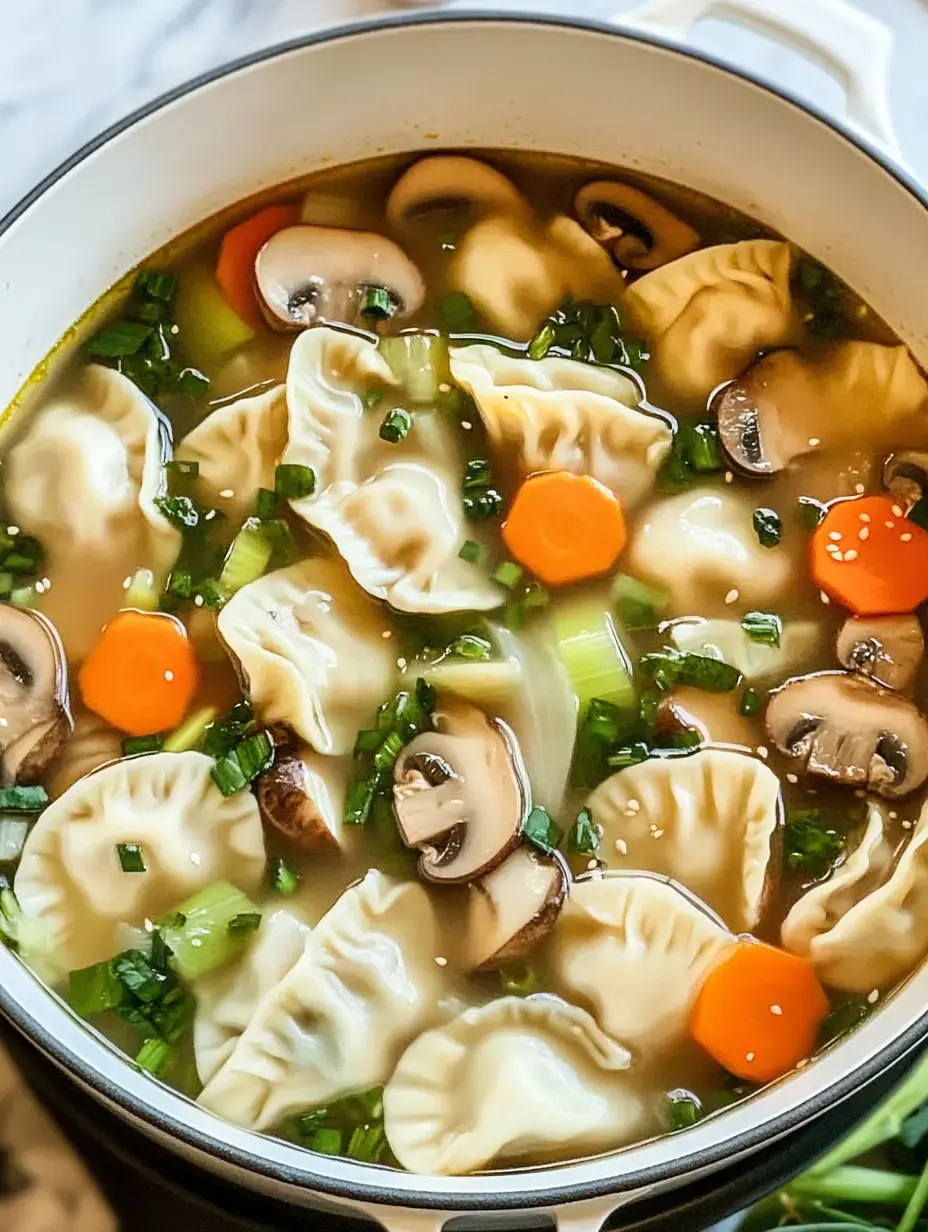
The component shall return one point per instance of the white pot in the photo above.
(479, 81)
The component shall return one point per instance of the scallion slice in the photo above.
(154, 1055)
(395, 426)
(327, 1141)
(638, 606)
(683, 1110)
(472, 552)
(367, 1143)
(244, 923)
(131, 857)
(508, 574)
(583, 837)
(244, 763)
(204, 941)
(23, 799)
(191, 733)
(750, 703)
(768, 527)
(265, 503)
(132, 746)
(420, 362)
(292, 481)
(704, 450)
(541, 830)
(284, 878)
(542, 343)
(248, 557)
(472, 646)
(763, 627)
(378, 303)
(11, 913)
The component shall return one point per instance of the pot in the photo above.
(631, 98)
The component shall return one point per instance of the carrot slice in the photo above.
(564, 527)
(870, 558)
(235, 268)
(142, 673)
(759, 1011)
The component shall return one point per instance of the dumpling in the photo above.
(634, 950)
(90, 745)
(84, 479)
(237, 448)
(70, 883)
(366, 984)
(716, 717)
(515, 1081)
(706, 315)
(699, 547)
(807, 928)
(756, 661)
(393, 511)
(313, 650)
(707, 820)
(227, 999)
(558, 414)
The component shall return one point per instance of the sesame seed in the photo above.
(386, 633)
(864, 533)
(401, 664)
(621, 846)
(893, 814)
(907, 825)
(127, 582)
(835, 534)
(814, 441)
(169, 676)
(209, 516)
(731, 596)
(776, 1009)
(12, 530)
(859, 489)
(874, 996)
(226, 493)
(198, 600)
(906, 538)
(749, 1056)
(824, 598)
(865, 517)
(195, 858)
(440, 961)
(897, 510)
(889, 525)
(444, 388)
(656, 833)
(837, 555)
(803, 1063)
(792, 778)
(850, 554)
(729, 477)
(592, 864)
(833, 549)
(633, 806)
(466, 425)
(763, 751)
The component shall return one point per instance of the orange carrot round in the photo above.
(142, 673)
(759, 1012)
(235, 268)
(564, 527)
(867, 556)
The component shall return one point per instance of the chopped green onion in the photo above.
(93, 990)
(192, 382)
(204, 941)
(183, 512)
(583, 837)
(630, 755)
(220, 738)
(477, 475)
(810, 512)
(284, 878)
(472, 552)
(245, 922)
(670, 667)
(809, 844)
(519, 981)
(191, 732)
(639, 606)
(368, 740)
(118, 339)
(389, 751)
(23, 596)
(23, 799)
(293, 481)
(750, 703)
(471, 646)
(484, 505)
(395, 426)
(241, 765)
(763, 627)
(592, 654)
(131, 857)
(458, 313)
(359, 799)
(542, 343)
(327, 1141)
(265, 503)
(541, 830)
(508, 574)
(154, 1055)
(367, 1143)
(420, 362)
(248, 557)
(919, 513)
(371, 398)
(6, 584)
(768, 527)
(378, 303)
(704, 450)
(683, 1110)
(142, 593)
(132, 746)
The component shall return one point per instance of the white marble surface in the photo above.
(68, 68)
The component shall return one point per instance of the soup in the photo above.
(461, 663)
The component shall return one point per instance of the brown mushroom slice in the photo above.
(639, 232)
(299, 800)
(34, 715)
(905, 474)
(452, 184)
(766, 417)
(851, 731)
(511, 909)
(306, 274)
(461, 794)
(888, 648)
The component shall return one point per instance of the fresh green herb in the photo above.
(458, 313)
(131, 857)
(843, 1018)
(638, 606)
(671, 667)
(591, 333)
(750, 703)
(472, 552)
(472, 646)
(477, 475)
(153, 1056)
(205, 941)
(809, 844)
(762, 627)
(704, 452)
(284, 878)
(378, 304)
(508, 574)
(683, 1110)
(222, 737)
(192, 382)
(23, 799)
(599, 733)
(183, 512)
(371, 398)
(519, 981)
(583, 836)
(398, 722)
(395, 426)
(292, 481)
(695, 451)
(157, 284)
(687, 740)
(768, 527)
(133, 745)
(532, 598)
(137, 976)
(119, 339)
(810, 512)
(245, 922)
(360, 1117)
(481, 500)
(541, 830)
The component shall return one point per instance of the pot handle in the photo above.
(853, 47)
(586, 1216)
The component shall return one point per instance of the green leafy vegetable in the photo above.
(843, 1018)
(508, 574)
(809, 512)
(283, 877)
(583, 837)
(695, 451)
(133, 745)
(763, 627)
(541, 830)
(672, 667)
(480, 499)
(378, 304)
(592, 333)
(153, 1056)
(395, 426)
(825, 297)
(638, 606)
(421, 364)
(200, 935)
(265, 504)
(398, 722)
(23, 799)
(472, 646)
(472, 552)
(458, 314)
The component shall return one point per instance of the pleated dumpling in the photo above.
(706, 315)
(807, 928)
(635, 949)
(237, 448)
(227, 999)
(365, 985)
(70, 882)
(707, 820)
(558, 414)
(699, 547)
(518, 1080)
(84, 478)
(756, 661)
(313, 650)
(393, 511)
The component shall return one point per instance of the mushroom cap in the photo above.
(33, 693)
(640, 233)
(288, 797)
(461, 794)
(888, 648)
(852, 731)
(905, 474)
(767, 415)
(513, 907)
(306, 273)
(452, 182)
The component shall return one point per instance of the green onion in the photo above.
(293, 481)
(670, 667)
(283, 543)
(809, 844)
(241, 765)
(482, 506)
(283, 877)
(204, 941)
(131, 857)
(220, 738)
(421, 364)
(630, 755)
(472, 646)
(183, 512)
(93, 990)
(371, 398)
(541, 830)
(156, 284)
(378, 303)
(472, 552)
(385, 757)
(810, 512)
(919, 513)
(245, 922)
(508, 574)
(639, 607)
(477, 475)
(583, 837)
(248, 557)
(118, 339)
(599, 732)
(750, 703)
(768, 527)
(481, 500)
(763, 627)
(23, 799)
(359, 799)
(154, 1055)
(327, 1141)
(367, 1143)
(395, 426)
(191, 732)
(265, 503)
(683, 1110)
(542, 343)
(590, 649)
(132, 746)
(704, 450)
(10, 913)
(23, 596)
(457, 313)
(192, 382)
(519, 981)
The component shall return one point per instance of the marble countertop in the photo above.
(68, 68)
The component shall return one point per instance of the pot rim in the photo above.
(365, 1183)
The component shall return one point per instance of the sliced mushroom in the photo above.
(306, 274)
(639, 232)
(888, 648)
(34, 716)
(297, 797)
(852, 731)
(906, 476)
(448, 184)
(511, 909)
(764, 415)
(461, 794)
